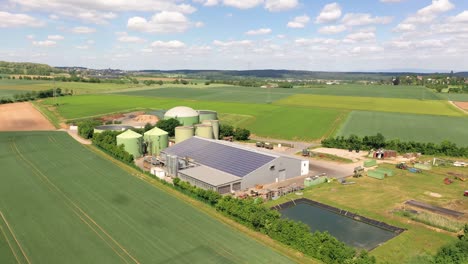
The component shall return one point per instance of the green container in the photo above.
(157, 140)
(207, 115)
(312, 182)
(370, 163)
(183, 133)
(131, 141)
(186, 115)
(385, 171)
(204, 131)
(376, 174)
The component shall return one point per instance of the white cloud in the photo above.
(90, 42)
(437, 7)
(207, 2)
(234, 43)
(404, 27)
(30, 37)
(367, 49)
(82, 47)
(10, 20)
(163, 22)
(44, 43)
(359, 37)
(316, 41)
(299, 22)
(54, 17)
(95, 17)
(261, 31)
(460, 18)
(280, 5)
(329, 13)
(361, 19)
(391, 1)
(332, 29)
(55, 37)
(124, 37)
(83, 30)
(281, 36)
(425, 15)
(243, 4)
(173, 44)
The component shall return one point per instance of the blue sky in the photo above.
(361, 35)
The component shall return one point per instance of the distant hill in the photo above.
(26, 68)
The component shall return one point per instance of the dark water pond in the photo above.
(354, 233)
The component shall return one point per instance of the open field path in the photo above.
(460, 105)
(22, 117)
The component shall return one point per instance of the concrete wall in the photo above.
(279, 169)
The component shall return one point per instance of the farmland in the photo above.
(219, 92)
(377, 198)
(406, 127)
(75, 211)
(268, 121)
(430, 107)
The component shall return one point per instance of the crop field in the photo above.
(406, 127)
(9, 93)
(377, 198)
(434, 107)
(22, 86)
(62, 203)
(269, 120)
(453, 97)
(215, 92)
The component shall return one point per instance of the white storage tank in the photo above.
(158, 172)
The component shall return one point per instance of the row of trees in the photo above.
(354, 142)
(295, 234)
(31, 96)
(238, 133)
(107, 141)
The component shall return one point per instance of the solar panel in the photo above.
(229, 159)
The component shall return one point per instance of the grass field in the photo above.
(268, 120)
(8, 93)
(377, 198)
(217, 92)
(453, 97)
(65, 204)
(434, 107)
(406, 127)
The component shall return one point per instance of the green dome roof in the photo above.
(156, 132)
(129, 134)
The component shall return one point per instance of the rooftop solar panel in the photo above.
(229, 159)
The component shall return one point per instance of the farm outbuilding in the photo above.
(157, 140)
(186, 115)
(225, 167)
(132, 142)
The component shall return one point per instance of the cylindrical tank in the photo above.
(131, 141)
(215, 125)
(186, 115)
(103, 128)
(204, 131)
(207, 115)
(183, 133)
(157, 140)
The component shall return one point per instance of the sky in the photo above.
(316, 35)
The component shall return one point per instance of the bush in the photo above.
(241, 134)
(226, 131)
(107, 141)
(86, 128)
(168, 125)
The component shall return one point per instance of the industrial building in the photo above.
(225, 167)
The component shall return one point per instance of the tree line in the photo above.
(107, 141)
(237, 133)
(378, 141)
(33, 95)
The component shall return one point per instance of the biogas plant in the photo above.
(197, 155)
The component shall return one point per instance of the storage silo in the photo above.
(157, 140)
(207, 115)
(183, 132)
(131, 141)
(215, 125)
(204, 131)
(186, 115)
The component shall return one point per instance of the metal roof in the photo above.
(229, 158)
(209, 175)
(129, 134)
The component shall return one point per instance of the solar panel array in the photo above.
(232, 160)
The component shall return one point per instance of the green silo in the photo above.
(157, 140)
(131, 141)
(207, 115)
(183, 133)
(215, 125)
(186, 115)
(204, 131)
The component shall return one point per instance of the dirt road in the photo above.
(22, 117)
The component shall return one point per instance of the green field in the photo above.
(63, 203)
(215, 92)
(268, 120)
(454, 97)
(434, 107)
(377, 198)
(406, 127)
